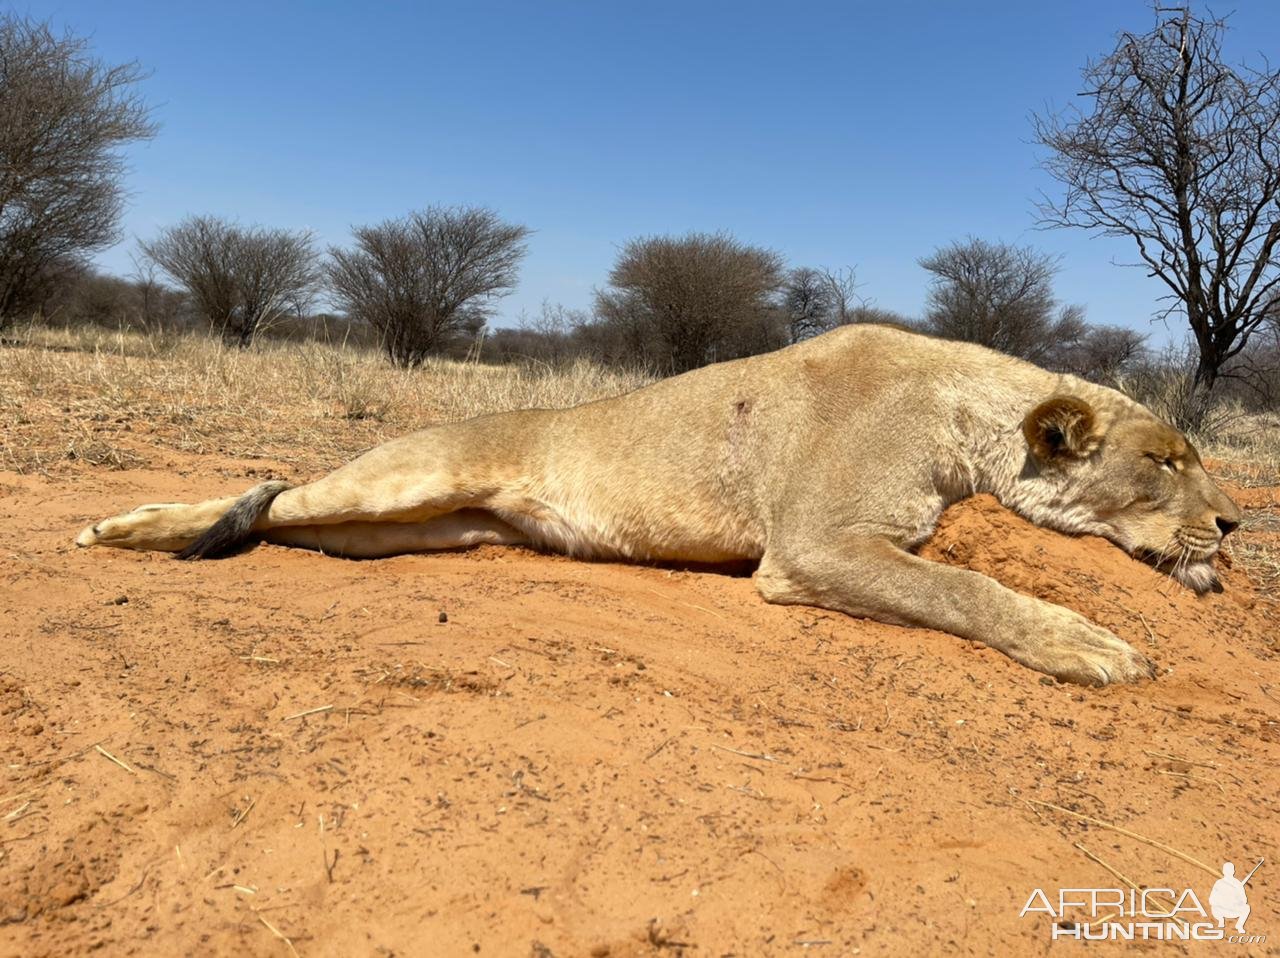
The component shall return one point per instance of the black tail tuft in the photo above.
(236, 524)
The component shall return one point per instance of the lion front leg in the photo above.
(872, 578)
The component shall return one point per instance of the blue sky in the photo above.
(861, 134)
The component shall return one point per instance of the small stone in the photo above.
(443, 617)
(118, 600)
(1047, 680)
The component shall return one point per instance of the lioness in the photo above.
(827, 461)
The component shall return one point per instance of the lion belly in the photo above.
(622, 521)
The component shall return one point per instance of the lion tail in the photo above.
(236, 524)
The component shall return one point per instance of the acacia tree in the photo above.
(422, 279)
(685, 301)
(1179, 152)
(1000, 296)
(63, 118)
(241, 279)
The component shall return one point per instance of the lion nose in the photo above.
(1227, 526)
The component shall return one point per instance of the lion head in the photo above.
(1134, 480)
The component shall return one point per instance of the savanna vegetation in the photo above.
(1171, 147)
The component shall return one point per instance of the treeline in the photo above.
(426, 285)
(141, 302)
(675, 303)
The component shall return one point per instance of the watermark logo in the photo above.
(1228, 898)
(1149, 914)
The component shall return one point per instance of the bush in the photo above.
(677, 303)
(425, 281)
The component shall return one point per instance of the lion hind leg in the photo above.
(405, 481)
(354, 494)
(163, 527)
(235, 525)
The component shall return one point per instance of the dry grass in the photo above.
(1246, 446)
(1261, 559)
(123, 399)
(1244, 449)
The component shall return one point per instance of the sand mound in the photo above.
(1091, 576)
(587, 758)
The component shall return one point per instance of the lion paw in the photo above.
(107, 531)
(143, 525)
(1072, 649)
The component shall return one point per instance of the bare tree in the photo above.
(553, 329)
(842, 289)
(806, 303)
(1254, 372)
(1180, 153)
(999, 296)
(240, 279)
(158, 305)
(690, 300)
(814, 301)
(63, 118)
(422, 280)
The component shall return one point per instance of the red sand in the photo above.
(588, 758)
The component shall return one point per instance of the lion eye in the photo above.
(1164, 462)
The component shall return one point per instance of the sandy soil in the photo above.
(282, 752)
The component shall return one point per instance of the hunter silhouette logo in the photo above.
(1145, 914)
(1228, 898)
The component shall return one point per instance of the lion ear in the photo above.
(1062, 428)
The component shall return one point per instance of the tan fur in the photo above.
(827, 462)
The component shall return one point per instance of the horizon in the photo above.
(592, 127)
